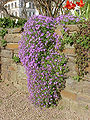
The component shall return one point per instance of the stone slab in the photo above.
(12, 46)
(13, 38)
(6, 53)
(68, 94)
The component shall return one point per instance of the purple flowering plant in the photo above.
(69, 19)
(45, 66)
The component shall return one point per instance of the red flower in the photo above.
(81, 4)
(69, 6)
(73, 5)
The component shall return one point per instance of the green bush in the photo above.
(21, 22)
(7, 22)
(11, 23)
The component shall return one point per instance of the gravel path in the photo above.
(15, 105)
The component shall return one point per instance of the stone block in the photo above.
(82, 87)
(14, 30)
(72, 28)
(69, 51)
(13, 38)
(21, 72)
(88, 68)
(6, 53)
(83, 98)
(68, 46)
(12, 46)
(68, 94)
(5, 75)
(72, 66)
(73, 105)
(16, 51)
(6, 61)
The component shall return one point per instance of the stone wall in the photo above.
(15, 72)
(11, 71)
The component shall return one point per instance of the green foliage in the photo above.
(3, 43)
(81, 41)
(21, 22)
(7, 22)
(85, 11)
(10, 23)
(16, 59)
(3, 32)
(77, 78)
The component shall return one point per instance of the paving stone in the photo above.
(6, 53)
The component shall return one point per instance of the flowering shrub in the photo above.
(45, 67)
(68, 19)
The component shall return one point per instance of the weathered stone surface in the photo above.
(68, 46)
(12, 46)
(72, 28)
(68, 94)
(5, 75)
(17, 75)
(82, 87)
(6, 61)
(21, 70)
(16, 51)
(14, 30)
(6, 53)
(72, 66)
(88, 68)
(13, 38)
(69, 51)
(84, 98)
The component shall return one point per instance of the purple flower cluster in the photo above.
(45, 67)
(68, 19)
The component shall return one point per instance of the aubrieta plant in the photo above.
(45, 67)
(69, 19)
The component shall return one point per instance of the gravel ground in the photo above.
(15, 105)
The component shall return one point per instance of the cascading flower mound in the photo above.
(45, 67)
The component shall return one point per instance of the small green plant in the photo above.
(0, 80)
(16, 59)
(61, 107)
(86, 107)
(3, 43)
(3, 32)
(77, 78)
(0, 101)
(21, 22)
(7, 84)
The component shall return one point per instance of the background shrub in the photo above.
(7, 22)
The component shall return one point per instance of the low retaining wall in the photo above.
(15, 72)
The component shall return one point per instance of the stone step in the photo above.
(82, 87)
(78, 97)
